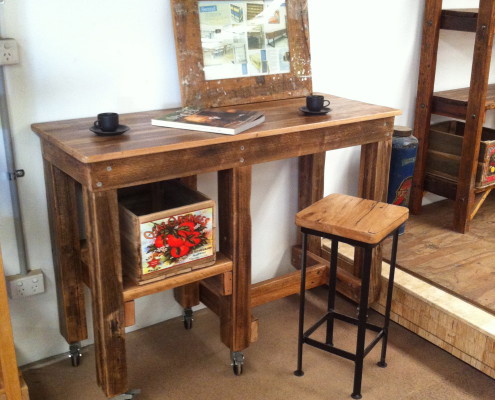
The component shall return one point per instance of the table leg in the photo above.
(234, 193)
(311, 182)
(188, 295)
(373, 185)
(66, 250)
(105, 270)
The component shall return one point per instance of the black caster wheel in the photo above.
(237, 362)
(75, 354)
(187, 318)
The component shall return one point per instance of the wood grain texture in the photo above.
(188, 295)
(10, 384)
(311, 184)
(234, 196)
(77, 142)
(347, 284)
(66, 251)
(102, 230)
(353, 218)
(373, 185)
(426, 79)
(196, 91)
(453, 103)
(147, 154)
(130, 313)
(476, 109)
(133, 291)
(461, 264)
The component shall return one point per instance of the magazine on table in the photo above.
(227, 122)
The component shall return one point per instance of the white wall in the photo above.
(82, 58)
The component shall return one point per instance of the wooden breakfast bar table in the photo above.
(79, 164)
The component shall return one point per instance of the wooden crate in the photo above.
(444, 153)
(166, 229)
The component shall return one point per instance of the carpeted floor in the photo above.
(167, 362)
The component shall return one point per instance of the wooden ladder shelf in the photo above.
(469, 104)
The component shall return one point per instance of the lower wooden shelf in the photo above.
(133, 291)
(446, 187)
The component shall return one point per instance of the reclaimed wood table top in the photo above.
(74, 138)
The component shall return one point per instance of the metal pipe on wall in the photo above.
(13, 174)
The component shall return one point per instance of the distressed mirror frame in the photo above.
(198, 92)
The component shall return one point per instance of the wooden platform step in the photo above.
(456, 326)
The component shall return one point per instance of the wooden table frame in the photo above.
(76, 160)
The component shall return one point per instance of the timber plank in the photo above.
(75, 139)
(426, 79)
(102, 230)
(453, 103)
(133, 291)
(234, 196)
(464, 20)
(66, 250)
(311, 183)
(476, 109)
(373, 184)
(461, 264)
(10, 384)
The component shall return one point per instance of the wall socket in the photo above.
(9, 53)
(25, 285)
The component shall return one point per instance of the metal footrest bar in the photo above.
(330, 349)
(374, 342)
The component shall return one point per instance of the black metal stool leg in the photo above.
(332, 288)
(362, 319)
(388, 305)
(302, 295)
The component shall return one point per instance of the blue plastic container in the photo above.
(404, 149)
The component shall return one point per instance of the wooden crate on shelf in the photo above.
(444, 153)
(165, 234)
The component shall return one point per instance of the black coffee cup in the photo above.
(107, 122)
(316, 102)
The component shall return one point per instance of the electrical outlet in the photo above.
(25, 285)
(8, 52)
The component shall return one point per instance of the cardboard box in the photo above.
(166, 229)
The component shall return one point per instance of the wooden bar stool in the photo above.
(362, 223)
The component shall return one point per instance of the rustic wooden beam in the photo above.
(234, 196)
(311, 183)
(66, 250)
(428, 62)
(103, 238)
(475, 115)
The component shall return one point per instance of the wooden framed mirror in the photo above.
(241, 51)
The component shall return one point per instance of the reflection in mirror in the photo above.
(243, 38)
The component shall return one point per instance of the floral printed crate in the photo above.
(175, 239)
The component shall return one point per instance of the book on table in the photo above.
(227, 122)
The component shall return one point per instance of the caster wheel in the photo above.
(237, 368)
(237, 362)
(75, 354)
(187, 318)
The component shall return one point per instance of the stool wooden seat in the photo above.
(357, 219)
(362, 223)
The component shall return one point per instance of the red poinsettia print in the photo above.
(176, 239)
